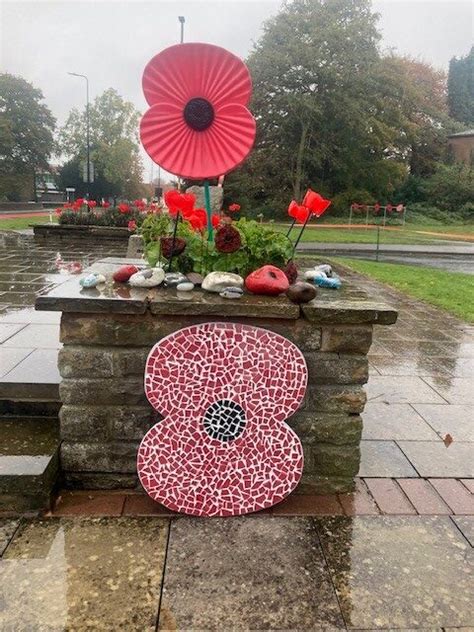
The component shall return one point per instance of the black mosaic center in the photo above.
(199, 114)
(224, 420)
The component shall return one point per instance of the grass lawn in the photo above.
(23, 222)
(452, 291)
(369, 235)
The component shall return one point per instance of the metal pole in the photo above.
(404, 211)
(350, 215)
(384, 215)
(88, 149)
(207, 201)
(367, 217)
(181, 21)
(378, 243)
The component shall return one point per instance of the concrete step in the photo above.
(29, 462)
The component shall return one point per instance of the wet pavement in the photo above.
(395, 555)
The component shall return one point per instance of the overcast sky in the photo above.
(112, 41)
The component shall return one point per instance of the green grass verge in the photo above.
(369, 236)
(452, 291)
(19, 223)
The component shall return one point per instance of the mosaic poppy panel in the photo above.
(223, 447)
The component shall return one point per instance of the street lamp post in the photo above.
(181, 21)
(88, 159)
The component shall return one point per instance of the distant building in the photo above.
(462, 146)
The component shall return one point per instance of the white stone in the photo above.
(219, 281)
(185, 287)
(323, 271)
(143, 278)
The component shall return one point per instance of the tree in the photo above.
(461, 88)
(26, 135)
(114, 145)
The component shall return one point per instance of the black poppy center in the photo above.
(199, 114)
(224, 420)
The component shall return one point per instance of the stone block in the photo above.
(314, 428)
(131, 423)
(334, 399)
(120, 457)
(341, 461)
(100, 480)
(106, 423)
(350, 311)
(216, 195)
(347, 338)
(333, 368)
(111, 392)
(82, 361)
(130, 361)
(318, 484)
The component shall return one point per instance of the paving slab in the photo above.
(455, 390)
(401, 390)
(452, 419)
(384, 459)
(466, 525)
(250, 573)
(10, 358)
(7, 330)
(83, 574)
(7, 529)
(395, 421)
(437, 460)
(38, 335)
(399, 572)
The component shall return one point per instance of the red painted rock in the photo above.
(268, 280)
(123, 274)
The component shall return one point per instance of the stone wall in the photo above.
(105, 412)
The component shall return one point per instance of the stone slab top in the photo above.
(348, 305)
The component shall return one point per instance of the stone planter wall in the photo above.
(91, 233)
(107, 339)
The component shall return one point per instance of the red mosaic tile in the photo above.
(360, 502)
(85, 503)
(309, 505)
(225, 391)
(389, 497)
(423, 496)
(455, 495)
(143, 505)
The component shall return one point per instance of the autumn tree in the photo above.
(26, 136)
(114, 145)
(461, 88)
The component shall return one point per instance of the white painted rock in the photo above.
(147, 278)
(185, 287)
(323, 270)
(219, 281)
(92, 280)
(232, 292)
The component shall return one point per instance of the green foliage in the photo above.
(461, 88)
(450, 187)
(114, 144)
(101, 217)
(26, 135)
(260, 245)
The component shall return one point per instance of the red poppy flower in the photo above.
(59, 211)
(298, 212)
(79, 201)
(315, 203)
(91, 203)
(233, 208)
(140, 204)
(123, 208)
(132, 225)
(198, 125)
(198, 219)
(215, 221)
(105, 204)
(223, 447)
(176, 201)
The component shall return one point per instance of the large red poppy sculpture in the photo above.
(198, 125)
(223, 447)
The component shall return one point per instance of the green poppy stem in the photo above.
(207, 201)
(174, 240)
(291, 228)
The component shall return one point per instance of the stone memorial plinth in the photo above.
(107, 333)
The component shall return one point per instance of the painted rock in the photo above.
(123, 274)
(147, 278)
(231, 292)
(301, 292)
(195, 278)
(185, 287)
(324, 269)
(291, 271)
(219, 281)
(173, 279)
(268, 280)
(92, 280)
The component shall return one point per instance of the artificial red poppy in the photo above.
(79, 201)
(198, 125)
(140, 204)
(172, 246)
(123, 208)
(223, 447)
(215, 221)
(59, 211)
(389, 208)
(91, 203)
(227, 239)
(179, 202)
(105, 204)
(298, 212)
(132, 225)
(315, 203)
(233, 208)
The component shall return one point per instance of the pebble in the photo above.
(185, 287)
(173, 279)
(147, 278)
(232, 292)
(92, 280)
(219, 281)
(301, 292)
(195, 277)
(316, 272)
